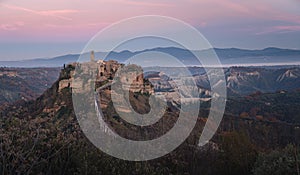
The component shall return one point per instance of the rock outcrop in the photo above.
(106, 72)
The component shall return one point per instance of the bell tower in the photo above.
(92, 56)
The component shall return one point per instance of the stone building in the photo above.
(130, 76)
(107, 68)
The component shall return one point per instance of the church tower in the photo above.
(92, 57)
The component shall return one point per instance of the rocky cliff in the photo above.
(43, 136)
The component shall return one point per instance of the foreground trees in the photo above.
(278, 162)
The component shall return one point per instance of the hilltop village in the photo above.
(103, 72)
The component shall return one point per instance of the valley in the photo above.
(262, 114)
(24, 83)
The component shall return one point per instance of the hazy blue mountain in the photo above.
(229, 56)
(45, 62)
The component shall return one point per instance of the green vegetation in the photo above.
(44, 137)
(25, 84)
(278, 162)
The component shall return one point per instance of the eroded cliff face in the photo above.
(46, 130)
(103, 73)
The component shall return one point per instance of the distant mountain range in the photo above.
(43, 136)
(228, 57)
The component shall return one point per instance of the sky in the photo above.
(41, 29)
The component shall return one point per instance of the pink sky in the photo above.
(77, 20)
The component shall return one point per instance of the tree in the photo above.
(278, 162)
(237, 154)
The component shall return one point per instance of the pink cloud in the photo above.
(142, 3)
(41, 19)
(269, 12)
(53, 13)
(279, 29)
(290, 28)
(11, 27)
(290, 18)
(203, 24)
(225, 5)
(235, 6)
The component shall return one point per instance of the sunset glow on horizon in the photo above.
(44, 29)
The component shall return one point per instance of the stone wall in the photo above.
(131, 76)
